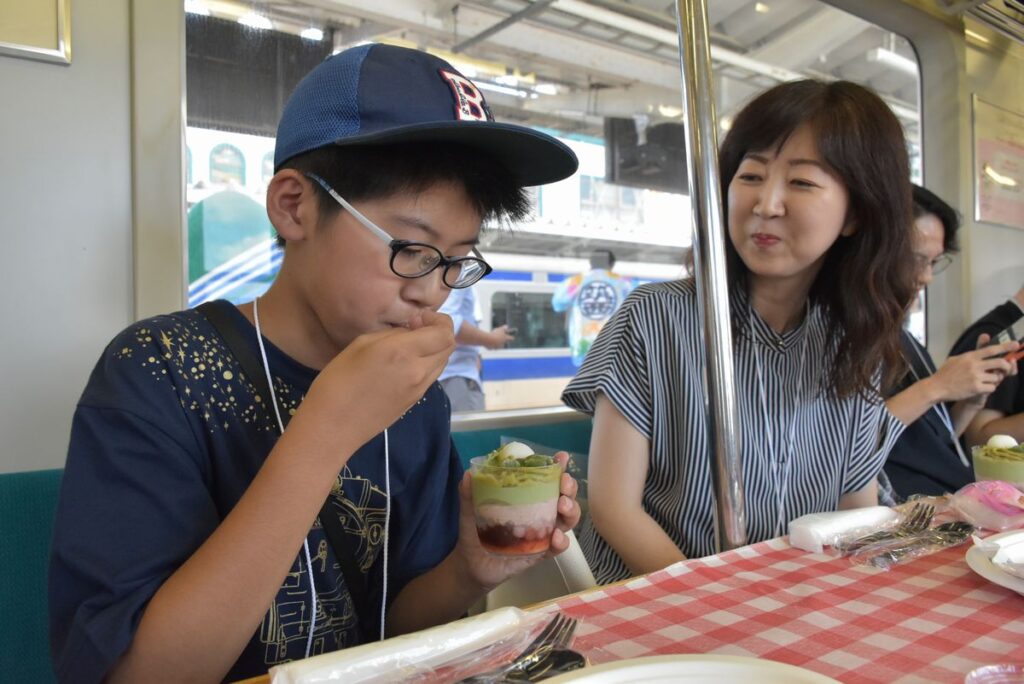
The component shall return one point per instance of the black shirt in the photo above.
(925, 459)
(1008, 398)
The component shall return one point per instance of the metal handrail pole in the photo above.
(710, 271)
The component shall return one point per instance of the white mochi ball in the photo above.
(516, 450)
(1001, 442)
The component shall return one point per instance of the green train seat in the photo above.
(27, 504)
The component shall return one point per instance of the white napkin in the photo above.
(1006, 553)
(814, 531)
(395, 658)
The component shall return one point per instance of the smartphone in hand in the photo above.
(1015, 331)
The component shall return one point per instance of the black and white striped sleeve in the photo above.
(875, 433)
(618, 365)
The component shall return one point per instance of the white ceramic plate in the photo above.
(694, 669)
(982, 564)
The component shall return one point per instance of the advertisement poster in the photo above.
(998, 165)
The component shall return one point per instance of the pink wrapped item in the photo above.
(992, 504)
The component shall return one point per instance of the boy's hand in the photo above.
(488, 570)
(373, 381)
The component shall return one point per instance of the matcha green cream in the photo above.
(515, 481)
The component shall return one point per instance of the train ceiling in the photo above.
(568, 64)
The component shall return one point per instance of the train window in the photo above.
(597, 196)
(188, 165)
(530, 315)
(536, 197)
(915, 319)
(605, 203)
(628, 198)
(588, 191)
(227, 165)
(268, 167)
(241, 65)
(232, 253)
(244, 59)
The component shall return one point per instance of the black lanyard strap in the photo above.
(221, 316)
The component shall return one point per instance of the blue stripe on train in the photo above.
(528, 368)
(510, 275)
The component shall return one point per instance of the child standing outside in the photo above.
(591, 299)
(190, 539)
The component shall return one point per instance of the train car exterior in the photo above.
(532, 370)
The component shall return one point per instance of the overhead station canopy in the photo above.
(569, 64)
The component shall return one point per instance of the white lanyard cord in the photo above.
(781, 488)
(941, 411)
(305, 542)
(387, 527)
(280, 425)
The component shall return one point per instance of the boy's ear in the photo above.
(292, 205)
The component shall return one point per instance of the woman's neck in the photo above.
(780, 304)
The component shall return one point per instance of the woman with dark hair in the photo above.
(938, 403)
(816, 180)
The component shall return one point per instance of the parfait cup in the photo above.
(515, 507)
(989, 464)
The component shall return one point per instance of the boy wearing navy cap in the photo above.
(192, 539)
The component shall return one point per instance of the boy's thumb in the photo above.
(434, 318)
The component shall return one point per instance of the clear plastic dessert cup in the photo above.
(515, 505)
(993, 464)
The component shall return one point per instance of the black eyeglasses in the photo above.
(416, 259)
(937, 265)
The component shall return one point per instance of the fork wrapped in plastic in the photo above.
(892, 552)
(916, 520)
(557, 635)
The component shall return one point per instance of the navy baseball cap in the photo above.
(382, 94)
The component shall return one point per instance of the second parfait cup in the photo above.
(516, 502)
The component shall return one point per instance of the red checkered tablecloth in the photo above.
(930, 620)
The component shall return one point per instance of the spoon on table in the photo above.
(554, 662)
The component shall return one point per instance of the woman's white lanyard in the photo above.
(941, 411)
(781, 488)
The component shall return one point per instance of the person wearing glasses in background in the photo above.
(192, 538)
(937, 403)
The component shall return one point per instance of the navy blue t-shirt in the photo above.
(167, 436)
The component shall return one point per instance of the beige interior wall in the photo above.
(994, 260)
(66, 219)
(93, 210)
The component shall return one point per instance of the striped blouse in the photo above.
(798, 446)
